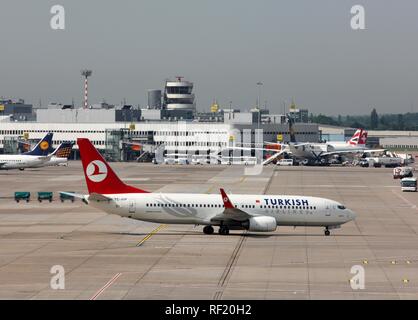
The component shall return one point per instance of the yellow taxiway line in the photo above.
(151, 234)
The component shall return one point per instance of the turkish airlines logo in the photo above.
(96, 171)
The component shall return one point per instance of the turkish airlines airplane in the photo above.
(34, 158)
(261, 213)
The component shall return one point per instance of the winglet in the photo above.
(225, 199)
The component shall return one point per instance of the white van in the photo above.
(285, 162)
(409, 184)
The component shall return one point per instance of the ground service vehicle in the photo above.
(285, 162)
(43, 195)
(66, 196)
(402, 172)
(22, 195)
(409, 184)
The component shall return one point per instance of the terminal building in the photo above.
(181, 137)
(170, 120)
(16, 110)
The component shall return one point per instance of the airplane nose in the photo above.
(352, 215)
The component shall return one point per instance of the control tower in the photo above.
(178, 95)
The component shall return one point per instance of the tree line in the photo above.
(374, 121)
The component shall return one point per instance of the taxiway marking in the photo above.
(107, 285)
(413, 206)
(151, 234)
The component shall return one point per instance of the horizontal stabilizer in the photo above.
(98, 197)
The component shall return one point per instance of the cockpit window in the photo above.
(341, 207)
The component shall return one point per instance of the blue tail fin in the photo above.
(43, 148)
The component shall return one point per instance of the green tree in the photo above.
(357, 125)
(401, 123)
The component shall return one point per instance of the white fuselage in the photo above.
(54, 161)
(20, 161)
(315, 150)
(340, 146)
(178, 208)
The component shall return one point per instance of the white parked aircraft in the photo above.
(261, 213)
(59, 157)
(357, 144)
(20, 161)
(34, 158)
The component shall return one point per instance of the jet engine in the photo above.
(261, 224)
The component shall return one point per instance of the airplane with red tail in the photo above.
(258, 213)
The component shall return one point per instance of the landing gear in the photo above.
(223, 230)
(208, 230)
(327, 232)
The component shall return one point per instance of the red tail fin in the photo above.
(359, 138)
(100, 177)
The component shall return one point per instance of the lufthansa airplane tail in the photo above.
(64, 150)
(100, 177)
(359, 138)
(43, 147)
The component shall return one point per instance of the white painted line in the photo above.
(107, 285)
(413, 206)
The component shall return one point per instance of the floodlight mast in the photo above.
(86, 74)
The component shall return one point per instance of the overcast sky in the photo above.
(304, 50)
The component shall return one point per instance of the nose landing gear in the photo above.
(327, 232)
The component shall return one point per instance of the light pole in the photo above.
(259, 84)
(86, 74)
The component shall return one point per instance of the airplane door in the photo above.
(327, 211)
(132, 206)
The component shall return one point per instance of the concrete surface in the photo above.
(107, 257)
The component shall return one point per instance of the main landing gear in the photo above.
(223, 230)
(208, 230)
(327, 232)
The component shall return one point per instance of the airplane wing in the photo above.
(374, 150)
(86, 198)
(247, 148)
(230, 212)
(300, 144)
(326, 154)
(83, 197)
